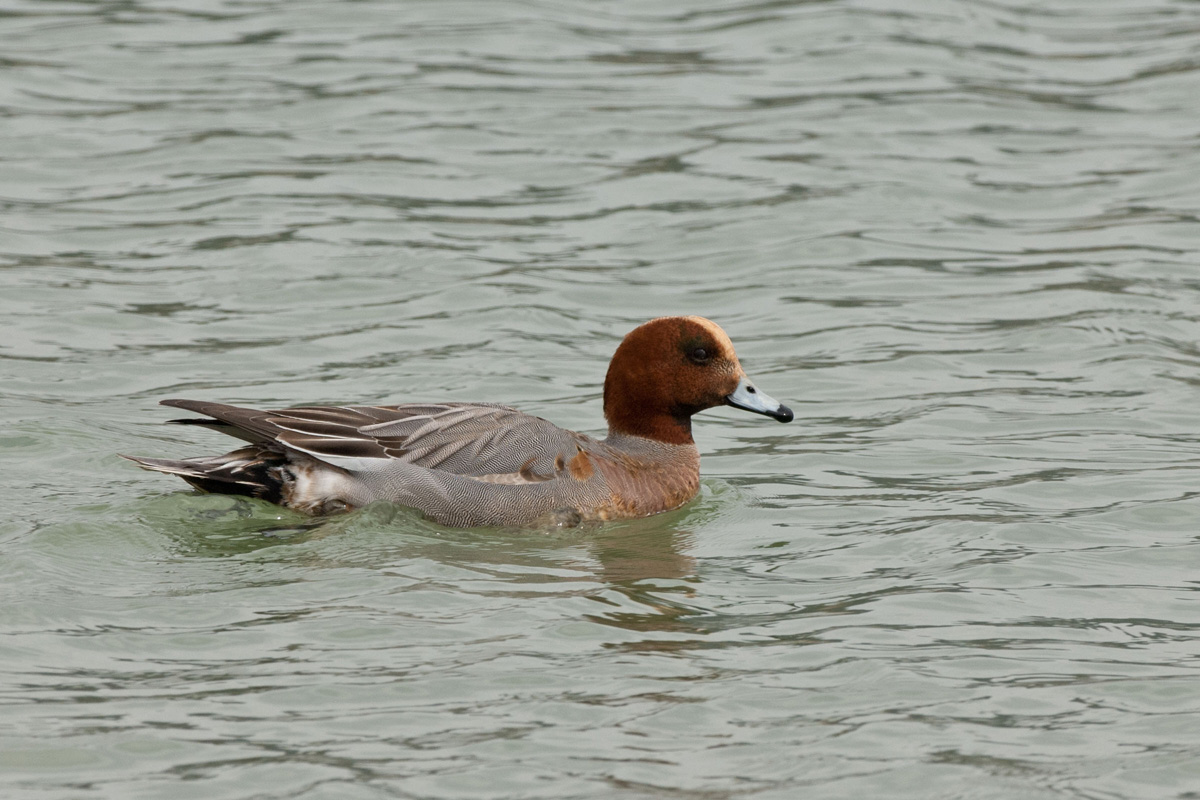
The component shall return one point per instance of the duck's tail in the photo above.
(253, 471)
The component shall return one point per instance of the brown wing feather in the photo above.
(246, 423)
(334, 448)
(463, 438)
(477, 440)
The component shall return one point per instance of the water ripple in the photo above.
(959, 237)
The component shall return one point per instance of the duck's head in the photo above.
(668, 369)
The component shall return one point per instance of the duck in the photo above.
(482, 464)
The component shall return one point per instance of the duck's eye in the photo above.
(699, 355)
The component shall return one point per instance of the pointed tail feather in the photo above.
(249, 471)
(182, 467)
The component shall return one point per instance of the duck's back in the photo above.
(476, 464)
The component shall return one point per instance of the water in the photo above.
(959, 238)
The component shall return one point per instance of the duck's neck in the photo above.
(643, 414)
(658, 427)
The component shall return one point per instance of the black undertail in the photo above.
(255, 471)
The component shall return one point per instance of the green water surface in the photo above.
(958, 237)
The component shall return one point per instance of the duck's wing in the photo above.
(489, 442)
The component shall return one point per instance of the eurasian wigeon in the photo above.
(469, 464)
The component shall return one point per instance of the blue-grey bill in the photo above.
(747, 397)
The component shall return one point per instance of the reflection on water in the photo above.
(219, 526)
(958, 237)
(643, 551)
